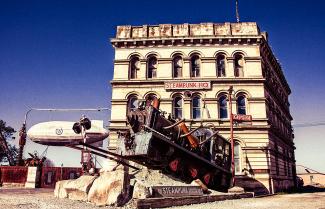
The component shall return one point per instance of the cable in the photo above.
(311, 124)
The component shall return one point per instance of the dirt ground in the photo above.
(44, 199)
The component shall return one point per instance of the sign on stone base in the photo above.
(176, 191)
(32, 177)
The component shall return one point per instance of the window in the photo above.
(196, 107)
(134, 67)
(177, 66)
(239, 65)
(152, 67)
(178, 107)
(237, 153)
(221, 66)
(223, 111)
(195, 66)
(241, 105)
(133, 103)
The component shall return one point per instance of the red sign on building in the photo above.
(242, 117)
(188, 85)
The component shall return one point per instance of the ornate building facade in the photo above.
(190, 67)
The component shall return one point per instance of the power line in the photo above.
(310, 124)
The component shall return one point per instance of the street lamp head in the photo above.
(77, 128)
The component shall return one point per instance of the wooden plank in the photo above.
(187, 200)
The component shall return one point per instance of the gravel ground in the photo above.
(44, 199)
(288, 201)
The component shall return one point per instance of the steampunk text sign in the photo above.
(188, 85)
(240, 117)
(176, 191)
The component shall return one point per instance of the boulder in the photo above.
(107, 189)
(141, 190)
(236, 190)
(198, 182)
(59, 190)
(76, 189)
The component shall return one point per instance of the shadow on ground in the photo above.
(311, 189)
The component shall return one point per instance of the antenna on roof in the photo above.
(237, 12)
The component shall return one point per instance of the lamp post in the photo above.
(230, 90)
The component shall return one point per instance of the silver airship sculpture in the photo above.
(61, 133)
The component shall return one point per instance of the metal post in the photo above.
(237, 12)
(232, 135)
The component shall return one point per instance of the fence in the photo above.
(13, 174)
(49, 175)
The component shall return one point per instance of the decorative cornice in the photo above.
(184, 41)
(162, 81)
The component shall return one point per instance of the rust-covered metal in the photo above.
(168, 144)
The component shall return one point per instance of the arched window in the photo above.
(178, 107)
(150, 98)
(241, 105)
(221, 65)
(196, 107)
(134, 67)
(239, 65)
(133, 103)
(195, 66)
(237, 153)
(223, 110)
(177, 66)
(152, 67)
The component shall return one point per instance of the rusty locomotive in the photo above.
(164, 143)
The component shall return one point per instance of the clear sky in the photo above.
(56, 54)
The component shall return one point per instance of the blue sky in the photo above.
(56, 54)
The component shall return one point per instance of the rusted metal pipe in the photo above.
(156, 103)
(189, 133)
(175, 124)
(192, 139)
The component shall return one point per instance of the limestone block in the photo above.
(78, 189)
(141, 190)
(59, 190)
(107, 189)
(198, 182)
(236, 189)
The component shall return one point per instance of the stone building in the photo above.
(190, 67)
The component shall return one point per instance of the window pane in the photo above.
(196, 113)
(241, 105)
(133, 104)
(221, 66)
(178, 113)
(196, 102)
(237, 166)
(223, 107)
(195, 66)
(237, 157)
(196, 108)
(177, 66)
(177, 105)
(134, 66)
(178, 102)
(152, 67)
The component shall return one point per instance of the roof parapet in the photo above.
(187, 30)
